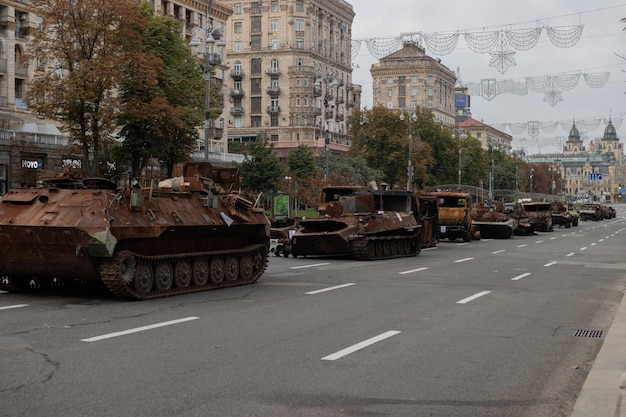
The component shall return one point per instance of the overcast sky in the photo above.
(602, 40)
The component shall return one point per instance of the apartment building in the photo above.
(408, 78)
(290, 77)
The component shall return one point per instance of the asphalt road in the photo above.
(487, 328)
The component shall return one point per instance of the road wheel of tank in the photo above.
(163, 276)
(258, 262)
(128, 265)
(143, 279)
(216, 272)
(407, 247)
(371, 249)
(386, 248)
(246, 267)
(393, 245)
(380, 251)
(231, 268)
(200, 274)
(182, 274)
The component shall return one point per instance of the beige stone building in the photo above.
(290, 76)
(409, 78)
(487, 135)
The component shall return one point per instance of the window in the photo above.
(299, 25)
(255, 42)
(389, 80)
(402, 103)
(274, 25)
(237, 85)
(298, 101)
(274, 122)
(238, 121)
(414, 104)
(274, 44)
(299, 43)
(414, 79)
(238, 27)
(390, 92)
(237, 46)
(430, 92)
(255, 24)
(297, 81)
(429, 104)
(274, 5)
(255, 121)
(413, 91)
(274, 65)
(299, 6)
(255, 86)
(255, 105)
(389, 105)
(237, 8)
(306, 82)
(255, 66)
(274, 82)
(429, 79)
(237, 67)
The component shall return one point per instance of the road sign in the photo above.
(595, 176)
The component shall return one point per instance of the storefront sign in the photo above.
(31, 164)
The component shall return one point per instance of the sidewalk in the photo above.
(603, 393)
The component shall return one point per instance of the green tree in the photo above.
(302, 169)
(81, 49)
(261, 170)
(162, 97)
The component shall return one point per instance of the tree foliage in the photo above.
(81, 49)
(261, 170)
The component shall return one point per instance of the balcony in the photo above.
(216, 132)
(236, 74)
(236, 93)
(317, 111)
(21, 71)
(273, 109)
(236, 111)
(339, 118)
(340, 100)
(350, 103)
(272, 71)
(273, 91)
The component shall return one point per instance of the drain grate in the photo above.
(588, 333)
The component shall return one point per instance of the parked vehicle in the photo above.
(538, 214)
(429, 213)
(492, 222)
(560, 215)
(573, 212)
(613, 212)
(455, 221)
(370, 224)
(590, 211)
(141, 242)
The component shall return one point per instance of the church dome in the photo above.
(574, 134)
(609, 132)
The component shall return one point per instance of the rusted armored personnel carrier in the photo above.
(539, 214)
(140, 242)
(492, 222)
(370, 224)
(561, 215)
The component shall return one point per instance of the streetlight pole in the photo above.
(409, 166)
(462, 136)
(330, 81)
(209, 36)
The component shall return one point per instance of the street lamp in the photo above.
(208, 38)
(409, 166)
(330, 81)
(462, 136)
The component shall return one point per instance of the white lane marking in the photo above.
(486, 240)
(550, 263)
(583, 248)
(473, 297)
(4, 292)
(593, 244)
(310, 266)
(413, 270)
(13, 306)
(462, 244)
(360, 346)
(522, 246)
(462, 260)
(138, 329)
(498, 251)
(601, 240)
(539, 241)
(336, 287)
(570, 254)
(517, 278)
(553, 238)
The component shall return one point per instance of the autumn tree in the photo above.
(81, 49)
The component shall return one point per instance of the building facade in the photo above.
(487, 135)
(290, 77)
(408, 78)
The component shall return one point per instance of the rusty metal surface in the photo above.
(455, 219)
(55, 233)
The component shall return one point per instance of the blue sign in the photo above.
(460, 100)
(595, 176)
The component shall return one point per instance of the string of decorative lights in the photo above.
(585, 126)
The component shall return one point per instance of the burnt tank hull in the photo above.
(368, 225)
(141, 242)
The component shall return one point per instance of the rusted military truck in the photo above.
(492, 222)
(367, 225)
(539, 214)
(141, 242)
(455, 220)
